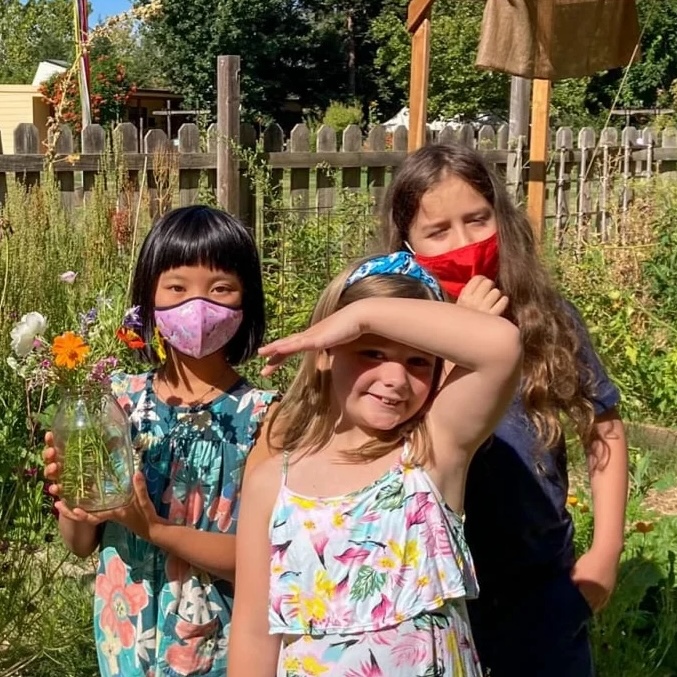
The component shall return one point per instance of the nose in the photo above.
(393, 374)
(463, 236)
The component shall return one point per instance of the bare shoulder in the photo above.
(265, 477)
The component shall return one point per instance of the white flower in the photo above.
(68, 277)
(25, 331)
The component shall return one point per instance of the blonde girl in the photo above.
(351, 558)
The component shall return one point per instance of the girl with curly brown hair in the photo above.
(448, 208)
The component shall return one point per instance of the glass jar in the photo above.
(92, 438)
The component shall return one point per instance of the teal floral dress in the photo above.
(154, 614)
(372, 583)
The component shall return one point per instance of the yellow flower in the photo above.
(408, 555)
(69, 350)
(159, 346)
(338, 519)
(309, 524)
(386, 563)
(311, 666)
(572, 500)
(422, 581)
(291, 664)
(323, 585)
(313, 608)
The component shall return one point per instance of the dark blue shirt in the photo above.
(517, 524)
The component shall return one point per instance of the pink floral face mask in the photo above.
(198, 327)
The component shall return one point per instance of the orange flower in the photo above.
(572, 500)
(130, 338)
(644, 527)
(69, 350)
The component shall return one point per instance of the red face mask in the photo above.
(455, 268)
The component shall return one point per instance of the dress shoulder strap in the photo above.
(285, 466)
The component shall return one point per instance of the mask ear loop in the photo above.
(408, 246)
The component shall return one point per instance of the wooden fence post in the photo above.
(93, 140)
(27, 142)
(189, 179)
(586, 145)
(564, 146)
(352, 143)
(299, 179)
(273, 142)
(65, 180)
(228, 126)
(669, 140)
(159, 152)
(608, 139)
(247, 183)
(212, 143)
(127, 137)
(325, 181)
(376, 176)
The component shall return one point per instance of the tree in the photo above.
(128, 43)
(273, 37)
(648, 81)
(315, 51)
(345, 49)
(31, 32)
(456, 87)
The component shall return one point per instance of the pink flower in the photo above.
(381, 611)
(194, 654)
(121, 601)
(370, 669)
(187, 511)
(219, 512)
(417, 508)
(413, 651)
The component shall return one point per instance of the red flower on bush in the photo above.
(110, 92)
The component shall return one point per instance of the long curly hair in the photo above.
(555, 378)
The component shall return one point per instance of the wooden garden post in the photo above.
(228, 134)
(540, 117)
(418, 23)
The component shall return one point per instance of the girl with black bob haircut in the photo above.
(164, 587)
(200, 235)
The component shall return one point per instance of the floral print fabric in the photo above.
(371, 583)
(153, 613)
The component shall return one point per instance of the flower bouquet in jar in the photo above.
(91, 431)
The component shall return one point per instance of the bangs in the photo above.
(202, 240)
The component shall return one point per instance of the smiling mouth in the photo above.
(388, 401)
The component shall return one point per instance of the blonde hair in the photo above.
(305, 419)
(555, 378)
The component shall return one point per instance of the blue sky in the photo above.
(103, 8)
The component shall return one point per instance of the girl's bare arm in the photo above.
(252, 651)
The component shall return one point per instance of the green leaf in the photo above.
(391, 497)
(368, 582)
(431, 620)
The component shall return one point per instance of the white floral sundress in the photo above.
(154, 614)
(372, 583)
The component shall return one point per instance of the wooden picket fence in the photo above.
(589, 177)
